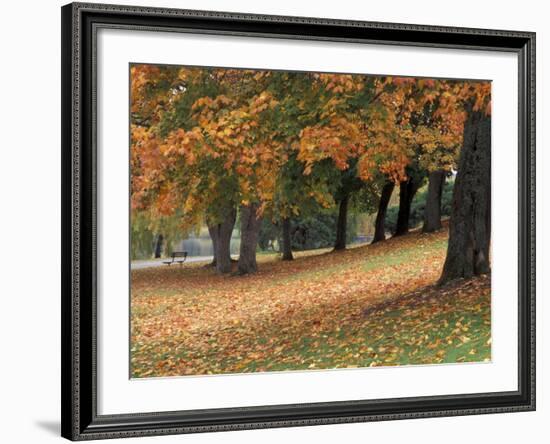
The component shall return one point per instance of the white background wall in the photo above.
(30, 221)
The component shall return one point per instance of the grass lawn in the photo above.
(373, 305)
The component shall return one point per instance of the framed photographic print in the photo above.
(281, 221)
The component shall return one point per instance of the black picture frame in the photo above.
(80, 420)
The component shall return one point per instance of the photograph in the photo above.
(305, 221)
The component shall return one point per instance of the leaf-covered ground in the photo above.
(368, 306)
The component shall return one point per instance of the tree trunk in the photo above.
(287, 243)
(221, 240)
(407, 190)
(250, 229)
(432, 211)
(342, 223)
(379, 225)
(158, 246)
(212, 230)
(470, 224)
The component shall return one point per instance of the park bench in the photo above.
(174, 258)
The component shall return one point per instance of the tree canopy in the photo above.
(281, 144)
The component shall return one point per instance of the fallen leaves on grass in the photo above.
(367, 306)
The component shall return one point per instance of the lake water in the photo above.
(202, 246)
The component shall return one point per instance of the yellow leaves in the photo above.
(262, 102)
(148, 90)
(341, 140)
(207, 103)
(481, 92)
(244, 127)
(465, 339)
(323, 198)
(189, 205)
(341, 83)
(389, 158)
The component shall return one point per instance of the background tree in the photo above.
(296, 193)
(432, 215)
(341, 135)
(411, 138)
(418, 207)
(383, 201)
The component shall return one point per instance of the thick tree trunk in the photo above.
(158, 246)
(432, 211)
(250, 229)
(407, 190)
(379, 225)
(341, 225)
(213, 231)
(287, 243)
(221, 240)
(470, 224)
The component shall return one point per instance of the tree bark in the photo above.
(212, 230)
(341, 225)
(221, 240)
(287, 243)
(379, 225)
(407, 190)
(432, 211)
(158, 246)
(250, 229)
(470, 224)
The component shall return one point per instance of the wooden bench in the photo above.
(174, 258)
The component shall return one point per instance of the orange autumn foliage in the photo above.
(232, 139)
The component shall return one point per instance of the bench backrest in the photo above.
(179, 253)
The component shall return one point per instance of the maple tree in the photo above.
(340, 135)
(207, 151)
(411, 138)
(468, 252)
(297, 191)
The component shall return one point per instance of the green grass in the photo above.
(392, 337)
